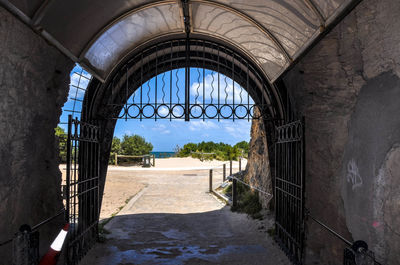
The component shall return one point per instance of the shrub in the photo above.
(135, 145)
(62, 143)
(221, 151)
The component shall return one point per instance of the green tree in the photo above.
(116, 145)
(243, 146)
(135, 145)
(62, 143)
(221, 151)
(115, 149)
(187, 149)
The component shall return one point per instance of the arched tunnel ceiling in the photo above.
(99, 34)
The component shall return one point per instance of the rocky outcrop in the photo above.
(348, 89)
(34, 81)
(258, 173)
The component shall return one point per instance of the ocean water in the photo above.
(163, 154)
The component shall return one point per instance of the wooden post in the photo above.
(234, 192)
(230, 170)
(210, 181)
(154, 160)
(116, 159)
(240, 164)
(224, 172)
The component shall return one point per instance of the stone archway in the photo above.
(103, 102)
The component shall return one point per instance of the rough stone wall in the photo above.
(34, 81)
(348, 88)
(258, 172)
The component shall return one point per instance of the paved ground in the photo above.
(175, 221)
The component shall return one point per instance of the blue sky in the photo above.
(164, 134)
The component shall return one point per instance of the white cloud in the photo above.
(237, 129)
(211, 90)
(163, 111)
(77, 81)
(161, 128)
(202, 125)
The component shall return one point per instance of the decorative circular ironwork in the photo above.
(290, 132)
(161, 107)
(299, 130)
(174, 108)
(131, 111)
(193, 108)
(90, 133)
(230, 111)
(84, 132)
(236, 110)
(148, 106)
(122, 113)
(251, 112)
(209, 108)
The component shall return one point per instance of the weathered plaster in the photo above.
(34, 81)
(347, 87)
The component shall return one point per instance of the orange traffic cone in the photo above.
(52, 255)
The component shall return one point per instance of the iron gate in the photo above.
(289, 189)
(82, 188)
(188, 79)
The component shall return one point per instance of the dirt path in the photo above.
(175, 221)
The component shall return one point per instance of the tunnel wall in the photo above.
(348, 88)
(34, 80)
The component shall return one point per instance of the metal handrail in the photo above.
(6, 242)
(250, 186)
(37, 226)
(333, 232)
(328, 228)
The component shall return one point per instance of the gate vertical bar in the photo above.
(68, 177)
(187, 80)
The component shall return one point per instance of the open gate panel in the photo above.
(289, 189)
(82, 186)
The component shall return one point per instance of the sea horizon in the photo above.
(163, 154)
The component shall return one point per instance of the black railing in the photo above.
(218, 177)
(221, 174)
(357, 252)
(25, 243)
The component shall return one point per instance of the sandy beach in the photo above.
(120, 187)
(182, 163)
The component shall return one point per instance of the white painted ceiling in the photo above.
(99, 34)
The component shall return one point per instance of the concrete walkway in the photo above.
(175, 221)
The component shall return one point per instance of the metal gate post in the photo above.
(224, 172)
(26, 247)
(210, 181)
(234, 192)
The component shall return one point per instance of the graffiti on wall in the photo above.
(353, 175)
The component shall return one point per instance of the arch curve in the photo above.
(144, 64)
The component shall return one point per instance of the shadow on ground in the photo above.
(213, 237)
